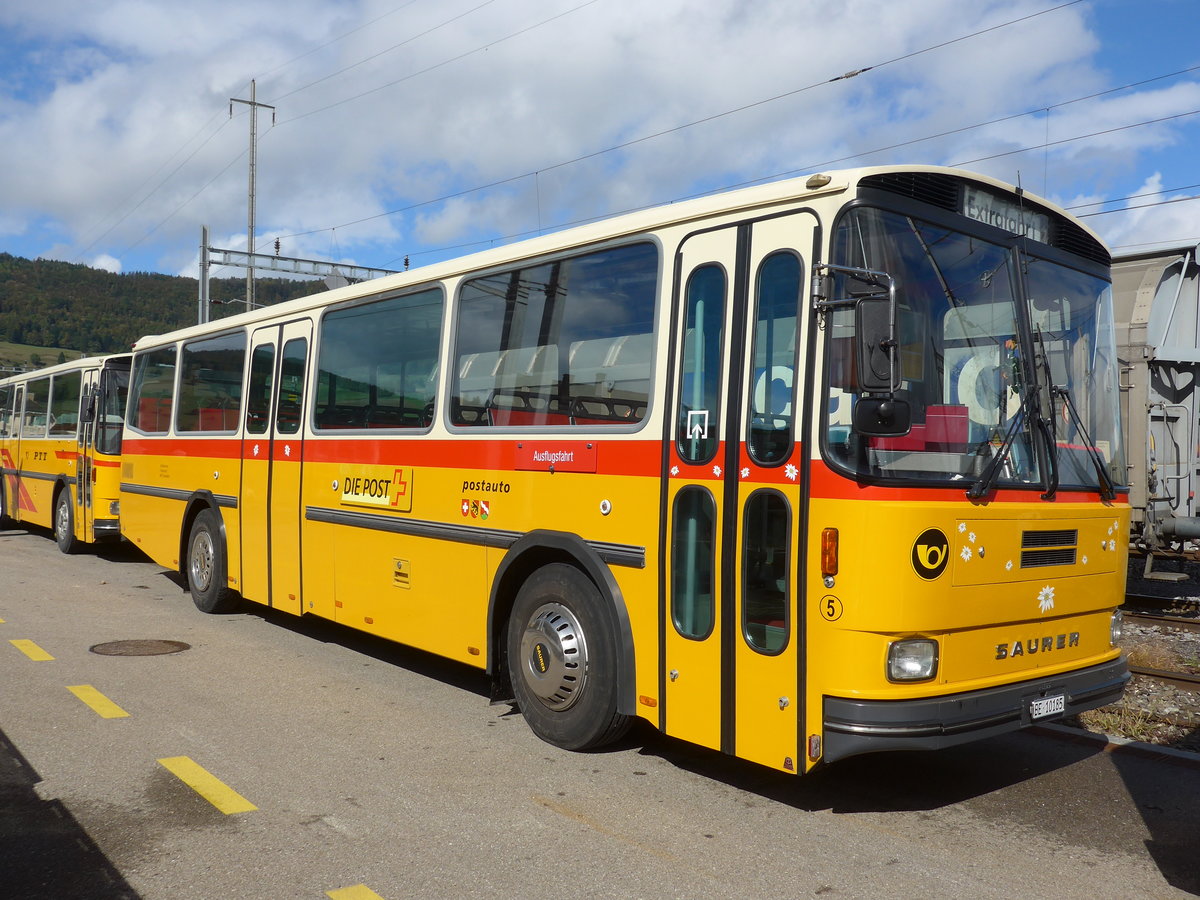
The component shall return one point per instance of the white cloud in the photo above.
(106, 262)
(115, 136)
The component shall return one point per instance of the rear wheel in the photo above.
(562, 659)
(3, 504)
(207, 567)
(64, 522)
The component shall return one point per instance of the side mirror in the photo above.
(87, 410)
(882, 417)
(877, 361)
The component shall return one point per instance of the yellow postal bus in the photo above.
(795, 472)
(60, 448)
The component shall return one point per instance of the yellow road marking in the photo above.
(32, 650)
(358, 892)
(207, 785)
(1, 621)
(97, 701)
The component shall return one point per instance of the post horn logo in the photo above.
(930, 553)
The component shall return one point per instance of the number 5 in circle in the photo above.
(831, 608)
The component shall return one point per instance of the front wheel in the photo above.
(207, 568)
(64, 522)
(562, 659)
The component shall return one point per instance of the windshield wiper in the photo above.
(988, 479)
(1107, 489)
(1041, 365)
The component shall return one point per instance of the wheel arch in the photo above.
(530, 552)
(196, 504)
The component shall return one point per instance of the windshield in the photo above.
(967, 367)
(1072, 320)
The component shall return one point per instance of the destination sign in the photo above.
(1002, 213)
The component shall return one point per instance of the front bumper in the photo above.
(866, 726)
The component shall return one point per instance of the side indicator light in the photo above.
(829, 551)
(647, 701)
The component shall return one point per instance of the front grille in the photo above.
(1050, 538)
(1031, 559)
(1055, 547)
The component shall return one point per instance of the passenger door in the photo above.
(86, 455)
(733, 476)
(272, 457)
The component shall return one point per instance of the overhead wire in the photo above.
(667, 131)
(385, 51)
(654, 135)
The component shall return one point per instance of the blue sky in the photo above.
(391, 116)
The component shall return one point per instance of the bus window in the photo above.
(567, 342)
(258, 392)
(765, 587)
(698, 429)
(110, 411)
(64, 404)
(210, 383)
(5, 409)
(152, 391)
(772, 396)
(37, 398)
(378, 362)
(291, 386)
(693, 563)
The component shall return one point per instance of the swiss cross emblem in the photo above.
(466, 507)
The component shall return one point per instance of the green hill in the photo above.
(57, 307)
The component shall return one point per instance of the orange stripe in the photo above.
(829, 485)
(613, 457)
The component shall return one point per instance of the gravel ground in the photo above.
(1152, 711)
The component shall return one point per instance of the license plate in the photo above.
(1047, 706)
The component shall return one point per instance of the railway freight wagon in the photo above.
(1156, 299)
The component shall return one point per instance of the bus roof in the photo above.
(741, 200)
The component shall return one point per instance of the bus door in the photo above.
(272, 452)
(731, 646)
(85, 453)
(10, 438)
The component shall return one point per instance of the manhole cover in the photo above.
(139, 648)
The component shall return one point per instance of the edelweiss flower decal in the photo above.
(674, 470)
(717, 471)
(791, 472)
(1046, 599)
(966, 553)
(746, 472)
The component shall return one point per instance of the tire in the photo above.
(207, 565)
(562, 659)
(3, 500)
(64, 522)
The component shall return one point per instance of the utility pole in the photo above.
(202, 315)
(254, 105)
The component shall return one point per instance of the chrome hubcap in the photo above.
(62, 520)
(554, 656)
(201, 565)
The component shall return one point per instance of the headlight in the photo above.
(915, 660)
(114, 508)
(1117, 628)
